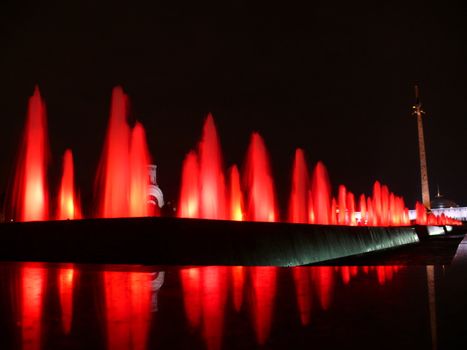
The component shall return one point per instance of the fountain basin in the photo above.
(167, 241)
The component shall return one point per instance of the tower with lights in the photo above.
(419, 112)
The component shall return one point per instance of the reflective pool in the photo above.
(63, 306)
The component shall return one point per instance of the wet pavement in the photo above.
(411, 297)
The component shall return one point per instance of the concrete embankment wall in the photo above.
(169, 241)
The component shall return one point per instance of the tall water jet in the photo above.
(30, 199)
(211, 175)
(372, 219)
(333, 217)
(113, 174)
(351, 209)
(363, 210)
(189, 192)
(321, 194)
(422, 217)
(298, 198)
(122, 177)
(235, 195)
(377, 205)
(68, 206)
(261, 202)
(393, 214)
(139, 162)
(342, 198)
(311, 210)
(384, 205)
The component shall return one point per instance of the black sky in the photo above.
(335, 78)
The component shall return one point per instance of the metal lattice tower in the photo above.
(418, 112)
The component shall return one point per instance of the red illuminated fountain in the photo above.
(68, 206)
(211, 174)
(209, 192)
(139, 161)
(235, 195)
(261, 201)
(123, 176)
(189, 193)
(321, 197)
(122, 181)
(203, 193)
(299, 196)
(30, 194)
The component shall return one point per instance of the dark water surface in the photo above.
(58, 306)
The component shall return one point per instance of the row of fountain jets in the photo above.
(205, 191)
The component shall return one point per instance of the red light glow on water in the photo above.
(66, 278)
(205, 292)
(324, 278)
(303, 284)
(127, 309)
(213, 298)
(205, 298)
(191, 286)
(263, 297)
(33, 281)
(238, 282)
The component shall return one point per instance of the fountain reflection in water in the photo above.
(218, 303)
(205, 297)
(127, 309)
(32, 281)
(302, 280)
(66, 281)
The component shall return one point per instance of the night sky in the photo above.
(335, 78)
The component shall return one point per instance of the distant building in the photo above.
(441, 205)
(155, 195)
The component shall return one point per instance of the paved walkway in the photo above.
(461, 254)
